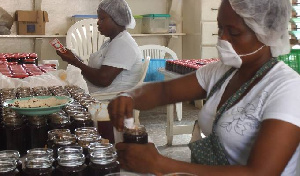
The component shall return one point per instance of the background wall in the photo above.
(60, 13)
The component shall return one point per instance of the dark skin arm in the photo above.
(155, 94)
(269, 156)
(102, 77)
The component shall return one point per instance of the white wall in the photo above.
(60, 12)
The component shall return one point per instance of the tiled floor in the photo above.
(155, 122)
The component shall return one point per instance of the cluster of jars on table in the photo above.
(61, 143)
(184, 66)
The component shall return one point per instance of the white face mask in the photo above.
(228, 56)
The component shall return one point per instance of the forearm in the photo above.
(92, 74)
(149, 96)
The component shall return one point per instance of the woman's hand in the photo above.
(140, 158)
(68, 56)
(120, 108)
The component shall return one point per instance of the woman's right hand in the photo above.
(119, 108)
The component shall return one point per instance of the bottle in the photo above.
(137, 135)
(63, 141)
(59, 120)
(103, 160)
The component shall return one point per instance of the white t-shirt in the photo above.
(121, 52)
(276, 96)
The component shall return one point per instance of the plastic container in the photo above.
(155, 23)
(76, 18)
(292, 59)
(138, 26)
(152, 73)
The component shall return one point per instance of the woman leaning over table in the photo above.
(251, 117)
(117, 65)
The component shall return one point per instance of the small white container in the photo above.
(138, 26)
(155, 23)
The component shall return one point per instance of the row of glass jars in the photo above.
(70, 161)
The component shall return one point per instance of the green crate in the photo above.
(292, 59)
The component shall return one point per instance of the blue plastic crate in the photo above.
(153, 74)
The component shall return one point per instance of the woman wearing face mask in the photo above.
(251, 118)
(117, 66)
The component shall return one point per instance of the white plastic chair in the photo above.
(110, 95)
(83, 38)
(162, 52)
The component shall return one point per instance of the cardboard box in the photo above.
(31, 22)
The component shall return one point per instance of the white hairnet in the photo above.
(119, 12)
(269, 20)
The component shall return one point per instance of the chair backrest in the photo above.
(158, 52)
(145, 68)
(83, 38)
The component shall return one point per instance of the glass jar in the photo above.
(71, 164)
(2, 136)
(15, 134)
(62, 141)
(38, 165)
(84, 141)
(82, 119)
(12, 154)
(38, 129)
(85, 130)
(136, 135)
(56, 132)
(103, 161)
(8, 167)
(59, 120)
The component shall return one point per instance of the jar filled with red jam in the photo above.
(137, 134)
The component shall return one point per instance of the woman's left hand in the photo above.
(140, 158)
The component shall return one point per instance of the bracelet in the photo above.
(125, 94)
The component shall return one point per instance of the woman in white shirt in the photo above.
(251, 117)
(117, 65)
